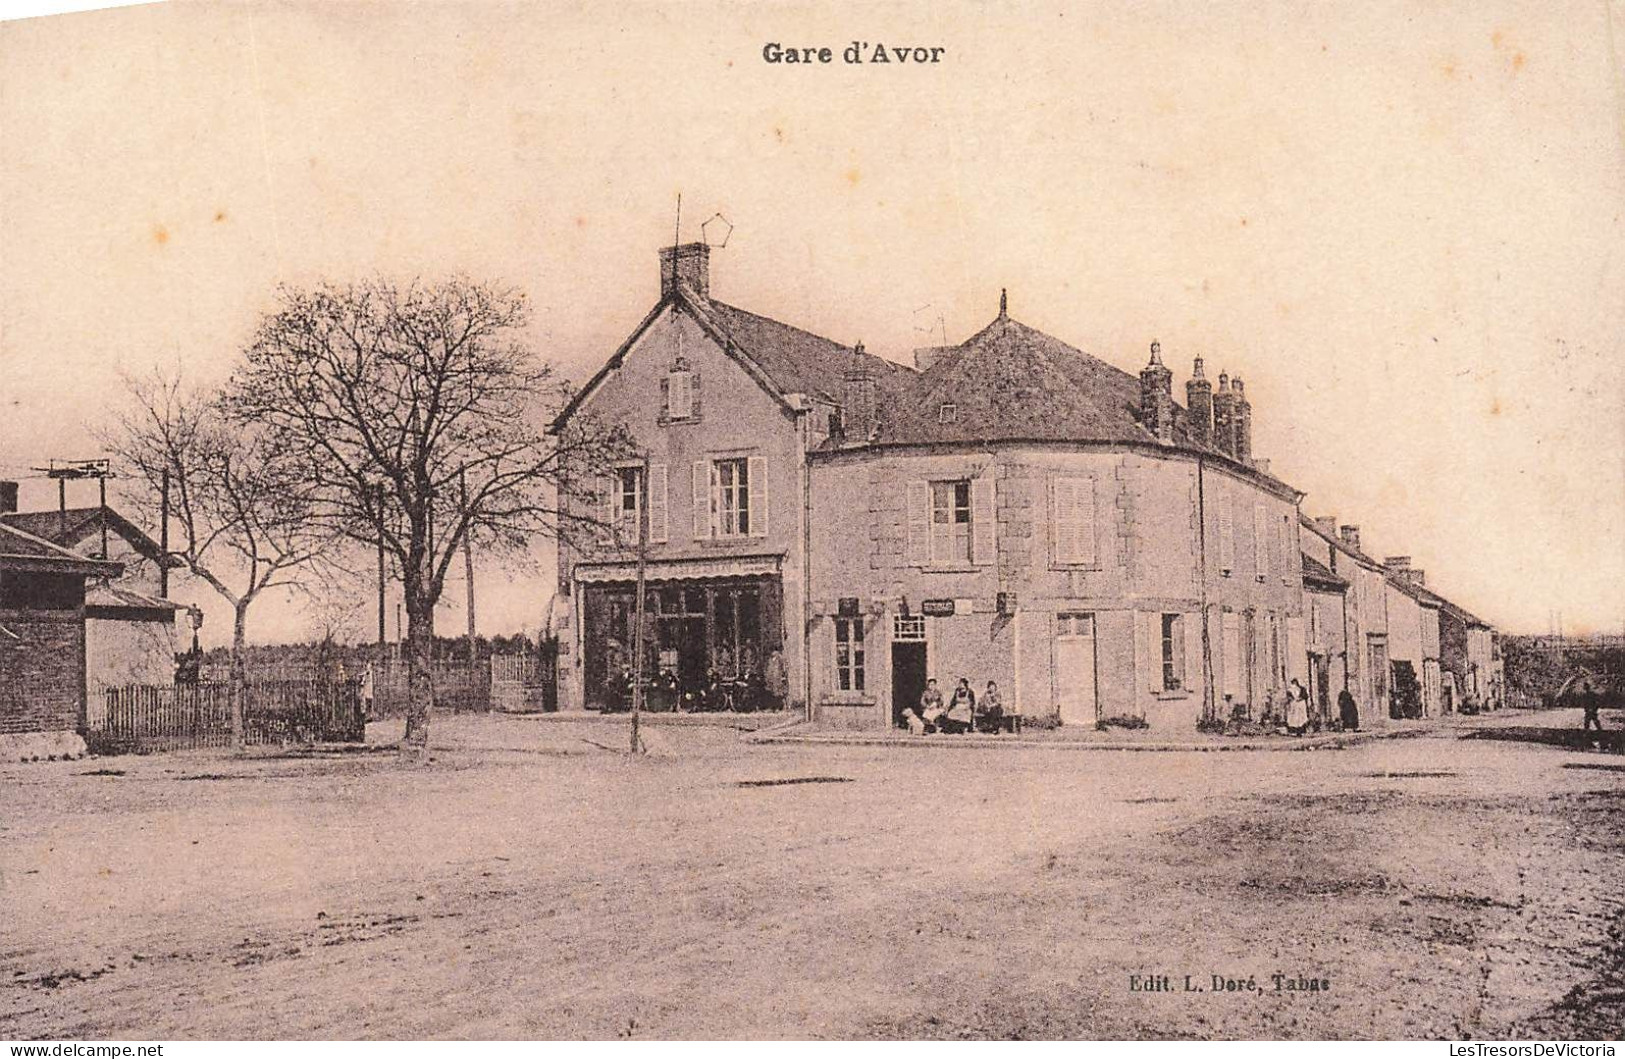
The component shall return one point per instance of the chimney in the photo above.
(1351, 536)
(1418, 577)
(1396, 563)
(1199, 403)
(1224, 416)
(1157, 396)
(8, 497)
(1241, 421)
(1261, 466)
(688, 264)
(1327, 524)
(858, 397)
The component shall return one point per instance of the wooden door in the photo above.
(1075, 691)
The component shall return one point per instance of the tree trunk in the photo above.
(419, 676)
(239, 676)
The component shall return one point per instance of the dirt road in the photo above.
(527, 884)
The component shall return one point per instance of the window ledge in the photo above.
(848, 698)
(667, 421)
(954, 568)
(1170, 696)
(1081, 568)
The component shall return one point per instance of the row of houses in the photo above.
(837, 528)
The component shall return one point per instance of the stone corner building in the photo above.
(1009, 509)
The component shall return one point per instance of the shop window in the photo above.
(1173, 652)
(849, 654)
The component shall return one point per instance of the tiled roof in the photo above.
(108, 594)
(80, 523)
(797, 361)
(1011, 381)
(1337, 542)
(18, 547)
(1317, 573)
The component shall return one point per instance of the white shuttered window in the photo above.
(1072, 520)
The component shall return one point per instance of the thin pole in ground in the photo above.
(637, 633)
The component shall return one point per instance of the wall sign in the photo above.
(937, 608)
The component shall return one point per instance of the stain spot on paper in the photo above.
(160, 234)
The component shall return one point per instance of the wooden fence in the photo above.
(143, 718)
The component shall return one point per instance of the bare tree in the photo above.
(237, 496)
(394, 398)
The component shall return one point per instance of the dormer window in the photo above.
(681, 388)
(947, 413)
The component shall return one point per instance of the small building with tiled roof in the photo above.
(130, 625)
(42, 644)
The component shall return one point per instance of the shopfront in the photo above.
(710, 643)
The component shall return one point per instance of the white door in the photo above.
(1075, 668)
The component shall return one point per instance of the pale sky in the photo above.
(1400, 223)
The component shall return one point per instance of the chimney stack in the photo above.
(688, 264)
(858, 397)
(1241, 420)
(1199, 403)
(1157, 396)
(1327, 524)
(1224, 417)
(1351, 536)
(8, 497)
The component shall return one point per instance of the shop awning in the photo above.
(682, 569)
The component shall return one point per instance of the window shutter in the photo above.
(1227, 535)
(702, 500)
(1062, 529)
(680, 396)
(1191, 669)
(657, 503)
(756, 470)
(1073, 519)
(1153, 654)
(1297, 664)
(1261, 554)
(1232, 656)
(983, 514)
(918, 517)
(1083, 519)
(612, 499)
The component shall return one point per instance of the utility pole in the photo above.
(383, 633)
(163, 536)
(468, 560)
(637, 634)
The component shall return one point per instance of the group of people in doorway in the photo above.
(960, 712)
